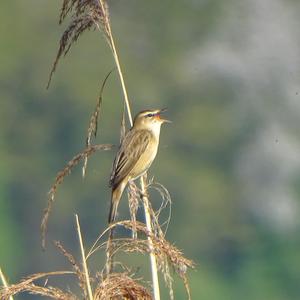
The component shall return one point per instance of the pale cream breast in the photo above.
(145, 160)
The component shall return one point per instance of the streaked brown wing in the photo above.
(133, 146)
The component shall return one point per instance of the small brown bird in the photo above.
(136, 154)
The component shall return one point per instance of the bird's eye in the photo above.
(149, 115)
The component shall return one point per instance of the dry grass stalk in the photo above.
(162, 247)
(109, 253)
(85, 268)
(85, 15)
(157, 229)
(186, 285)
(168, 278)
(59, 179)
(50, 292)
(77, 270)
(27, 285)
(166, 202)
(163, 251)
(133, 199)
(121, 286)
(93, 125)
(153, 261)
(4, 282)
(123, 126)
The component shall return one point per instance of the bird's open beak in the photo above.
(163, 120)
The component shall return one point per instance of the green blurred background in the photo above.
(229, 73)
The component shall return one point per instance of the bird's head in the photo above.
(150, 118)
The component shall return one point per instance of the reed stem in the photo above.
(153, 262)
(154, 272)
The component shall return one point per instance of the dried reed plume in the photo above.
(85, 15)
(121, 286)
(93, 125)
(166, 253)
(162, 247)
(27, 285)
(133, 199)
(76, 268)
(59, 179)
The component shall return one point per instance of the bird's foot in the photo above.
(143, 194)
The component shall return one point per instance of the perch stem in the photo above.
(153, 262)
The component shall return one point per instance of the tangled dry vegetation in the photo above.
(86, 15)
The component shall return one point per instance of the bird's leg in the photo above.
(142, 195)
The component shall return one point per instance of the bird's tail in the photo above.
(114, 203)
(115, 199)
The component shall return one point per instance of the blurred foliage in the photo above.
(228, 73)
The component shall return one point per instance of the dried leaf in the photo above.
(72, 261)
